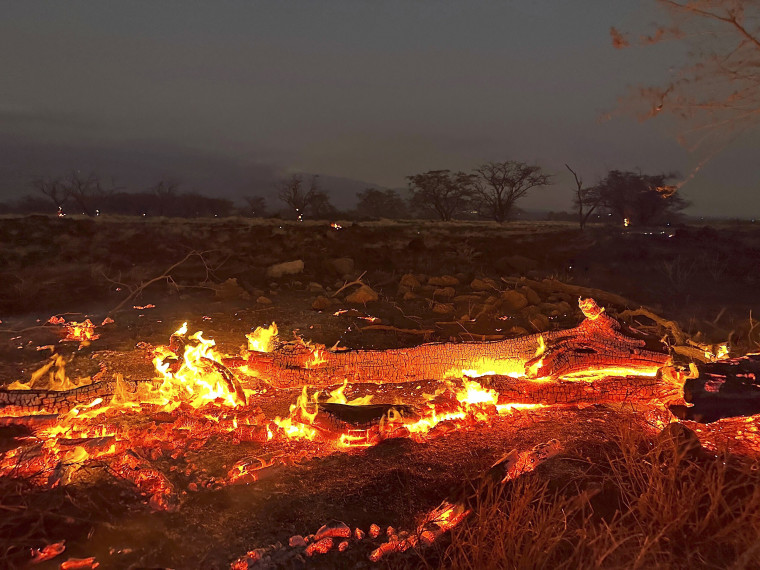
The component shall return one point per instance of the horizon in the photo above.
(230, 99)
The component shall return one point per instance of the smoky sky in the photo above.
(227, 96)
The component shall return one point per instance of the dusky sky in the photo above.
(228, 95)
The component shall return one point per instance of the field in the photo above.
(623, 492)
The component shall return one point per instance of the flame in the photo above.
(262, 339)
(193, 378)
(80, 332)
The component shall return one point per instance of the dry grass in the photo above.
(643, 504)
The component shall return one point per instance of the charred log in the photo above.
(601, 390)
(599, 343)
(723, 389)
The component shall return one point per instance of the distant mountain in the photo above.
(137, 165)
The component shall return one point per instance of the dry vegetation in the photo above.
(642, 502)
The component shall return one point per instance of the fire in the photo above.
(80, 332)
(195, 376)
(263, 339)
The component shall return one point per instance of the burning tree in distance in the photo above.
(717, 93)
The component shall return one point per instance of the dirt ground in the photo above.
(433, 282)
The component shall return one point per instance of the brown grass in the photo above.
(645, 503)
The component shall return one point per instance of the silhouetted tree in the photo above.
(586, 199)
(293, 192)
(165, 192)
(498, 185)
(380, 204)
(86, 192)
(639, 198)
(320, 207)
(718, 91)
(55, 190)
(441, 191)
(256, 206)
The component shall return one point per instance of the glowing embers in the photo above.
(192, 372)
(83, 332)
(357, 423)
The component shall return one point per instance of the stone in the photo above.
(484, 284)
(462, 299)
(336, 529)
(264, 300)
(444, 292)
(363, 294)
(230, 289)
(296, 540)
(287, 268)
(342, 265)
(320, 303)
(443, 281)
(533, 297)
(443, 308)
(409, 281)
(677, 439)
(540, 322)
(408, 296)
(512, 301)
(314, 287)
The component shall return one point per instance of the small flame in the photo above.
(262, 339)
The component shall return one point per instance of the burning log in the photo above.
(597, 390)
(722, 389)
(599, 343)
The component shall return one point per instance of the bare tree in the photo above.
(500, 184)
(444, 192)
(717, 93)
(257, 206)
(293, 192)
(55, 189)
(165, 192)
(587, 199)
(86, 192)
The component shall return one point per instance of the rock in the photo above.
(408, 296)
(363, 294)
(342, 265)
(518, 331)
(484, 284)
(677, 439)
(540, 322)
(320, 303)
(513, 301)
(461, 299)
(231, 290)
(443, 281)
(264, 300)
(296, 540)
(287, 268)
(336, 529)
(314, 287)
(533, 297)
(443, 308)
(444, 293)
(409, 281)
(319, 547)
